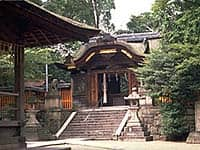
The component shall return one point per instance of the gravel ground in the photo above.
(77, 144)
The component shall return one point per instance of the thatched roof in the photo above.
(23, 22)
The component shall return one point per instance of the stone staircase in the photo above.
(99, 123)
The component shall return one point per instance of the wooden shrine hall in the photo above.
(103, 70)
(24, 24)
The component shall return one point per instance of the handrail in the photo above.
(9, 93)
(122, 124)
(65, 124)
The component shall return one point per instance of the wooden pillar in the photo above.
(130, 81)
(104, 89)
(19, 83)
(93, 89)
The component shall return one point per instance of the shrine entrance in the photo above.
(108, 88)
(111, 86)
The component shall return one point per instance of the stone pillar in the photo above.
(53, 106)
(194, 137)
(134, 119)
(134, 129)
(32, 126)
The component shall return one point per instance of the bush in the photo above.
(174, 124)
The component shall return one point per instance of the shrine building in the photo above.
(104, 69)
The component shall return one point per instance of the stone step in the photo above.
(96, 127)
(91, 129)
(99, 116)
(105, 122)
(137, 134)
(137, 138)
(94, 124)
(86, 134)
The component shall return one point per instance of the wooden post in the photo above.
(130, 80)
(104, 89)
(19, 84)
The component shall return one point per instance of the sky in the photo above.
(125, 8)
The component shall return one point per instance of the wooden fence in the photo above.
(7, 101)
(8, 106)
(66, 96)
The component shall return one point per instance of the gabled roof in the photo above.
(24, 22)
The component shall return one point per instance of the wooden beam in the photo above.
(34, 37)
(45, 37)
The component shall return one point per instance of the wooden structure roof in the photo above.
(87, 51)
(132, 37)
(23, 22)
(104, 53)
(138, 37)
(132, 46)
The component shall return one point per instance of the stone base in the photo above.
(193, 138)
(15, 143)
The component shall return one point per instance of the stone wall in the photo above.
(150, 116)
(190, 115)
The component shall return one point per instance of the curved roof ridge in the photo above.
(84, 48)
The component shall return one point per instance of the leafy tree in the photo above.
(142, 23)
(177, 20)
(169, 70)
(92, 12)
(173, 70)
(37, 58)
(179, 52)
(175, 125)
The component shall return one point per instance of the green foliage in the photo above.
(142, 23)
(173, 121)
(56, 73)
(7, 70)
(186, 28)
(178, 20)
(173, 71)
(37, 58)
(91, 12)
(187, 82)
